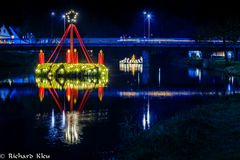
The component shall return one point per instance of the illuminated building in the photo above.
(195, 54)
(131, 60)
(222, 54)
(8, 35)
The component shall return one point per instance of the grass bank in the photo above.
(208, 132)
(230, 67)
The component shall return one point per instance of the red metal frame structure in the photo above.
(72, 95)
(72, 58)
(71, 30)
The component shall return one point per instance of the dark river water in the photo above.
(136, 96)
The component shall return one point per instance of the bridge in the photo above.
(119, 42)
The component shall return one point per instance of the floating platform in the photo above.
(71, 73)
(49, 70)
(64, 83)
(64, 75)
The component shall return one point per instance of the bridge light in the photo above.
(52, 13)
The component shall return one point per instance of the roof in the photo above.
(7, 32)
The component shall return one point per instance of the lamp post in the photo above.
(52, 15)
(144, 18)
(149, 18)
(64, 22)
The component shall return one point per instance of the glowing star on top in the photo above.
(72, 16)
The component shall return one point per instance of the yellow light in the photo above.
(53, 70)
(72, 16)
(133, 57)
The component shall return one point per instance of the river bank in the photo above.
(210, 131)
(231, 67)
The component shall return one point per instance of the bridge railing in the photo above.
(114, 42)
(95, 40)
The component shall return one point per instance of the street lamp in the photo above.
(144, 18)
(64, 22)
(52, 15)
(149, 18)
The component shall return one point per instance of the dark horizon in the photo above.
(117, 18)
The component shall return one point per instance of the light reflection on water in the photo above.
(72, 127)
(230, 87)
(146, 121)
(195, 73)
(161, 94)
(132, 67)
(68, 126)
(72, 131)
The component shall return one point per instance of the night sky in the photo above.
(114, 18)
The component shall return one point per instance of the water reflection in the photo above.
(169, 93)
(195, 73)
(68, 125)
(19, 80)
(72, 131)
(4, 94)
(159, 77)
(63, 119)
(8, 92)
(230, 86)
(133, 68)
(64, 83)
(146, 116)
(53, 119)
(72, 114)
